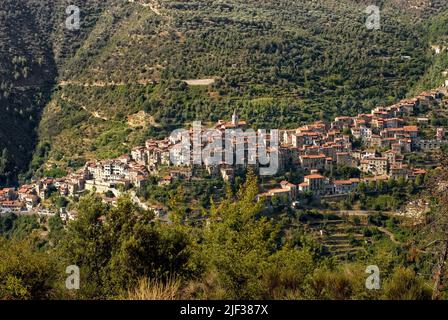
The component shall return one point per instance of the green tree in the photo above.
(177, 205)
(242, 251)
(85, 245)
(116, 247)
(239, 242)
(26, 273)
(56, 228)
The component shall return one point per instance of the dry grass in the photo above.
(155, 290)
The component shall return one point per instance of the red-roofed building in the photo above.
(313, 162)
(315, 183)
(345, 186)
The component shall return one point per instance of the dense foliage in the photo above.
(239, 253)
(280, 63)
(33, 46)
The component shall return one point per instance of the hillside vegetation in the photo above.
(437, 37)
(26, 71)
(33, 46)
(280, 63)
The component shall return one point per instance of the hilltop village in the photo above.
(377, 144)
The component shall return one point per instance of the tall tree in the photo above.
(239, 243)
(116, 247)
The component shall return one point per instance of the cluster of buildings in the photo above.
(101, 176)
(183, 164)
(376, 143)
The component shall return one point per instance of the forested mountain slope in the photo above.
(437, 35)
(33, 46)
(27, 70)
(280, 63)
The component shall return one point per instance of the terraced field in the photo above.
(344, 237)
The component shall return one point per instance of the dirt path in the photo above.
(151, 4)
(390, 235)
(102, 84)
(200, 82)
(358, 213)
(99, 84)
(94, 114)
